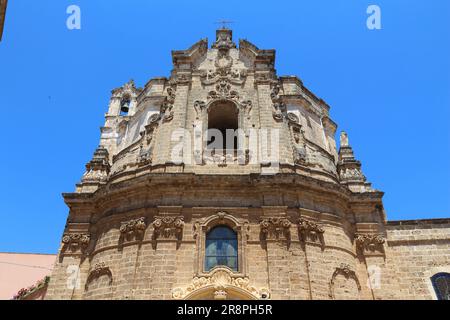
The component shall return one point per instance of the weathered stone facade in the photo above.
(3, 6)
(308, 224)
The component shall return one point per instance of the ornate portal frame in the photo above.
(220, 284)
(241, 227)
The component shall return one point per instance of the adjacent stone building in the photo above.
(169, 210)
(3, 5)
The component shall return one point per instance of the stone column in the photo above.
(298, 272)
(276, 237)
(310, 235)
(167, 236)
(382, 281)
(70, 271)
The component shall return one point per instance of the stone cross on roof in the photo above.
(224, 23)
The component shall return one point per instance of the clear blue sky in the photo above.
(389, 89)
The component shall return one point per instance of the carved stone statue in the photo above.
(344, 139)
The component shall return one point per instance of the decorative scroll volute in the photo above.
(279, 107)
(167, 106)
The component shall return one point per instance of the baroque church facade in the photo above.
(168, 210)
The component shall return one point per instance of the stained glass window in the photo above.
(441, 284)
(221, 248)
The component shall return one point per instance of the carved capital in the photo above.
(369, 243)
(168, 227)
(275, 229)
(76, 241)
(133, 229)
(309, 230)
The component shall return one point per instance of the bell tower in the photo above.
(223, 180)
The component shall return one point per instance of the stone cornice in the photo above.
(250, 180)
(261, 58)
(329, 124)
(291, 79)
(245, 45)
(180, 57)
(418, 222)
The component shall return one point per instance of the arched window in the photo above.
(221, 248)
(125, 106)
(223, 119)
(441, 285)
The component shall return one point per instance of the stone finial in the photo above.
(130, 84)
(97, 169)
(224, 39)
(349, 168)
(344, 139)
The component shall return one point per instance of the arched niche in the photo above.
(344, 284)
(99, 283)
(224, 118)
